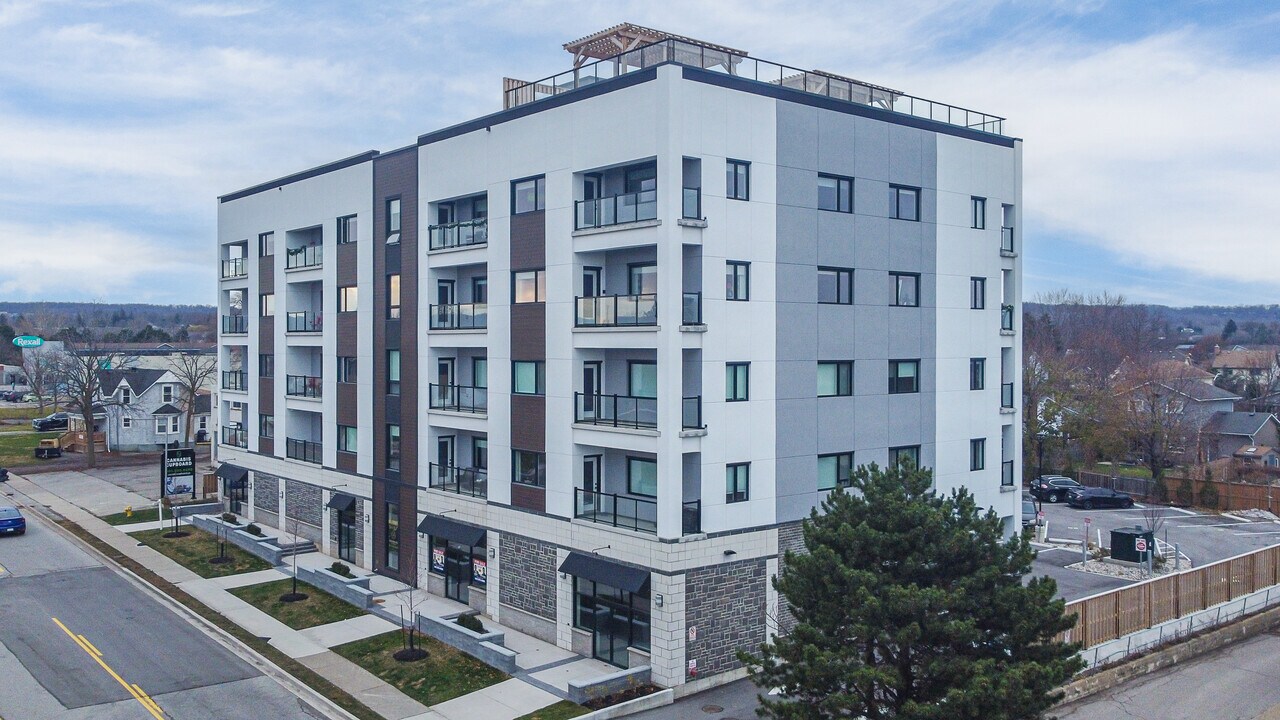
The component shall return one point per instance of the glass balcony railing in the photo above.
(304, 257)
(1006, 318)
(304, 450)
(617, 310)
(458, 398)
(691, 310)
(302, 386)
(302, 321)
(691, 413)
(1006, 395)
(235, 380)
(464, 481)
(460, 316)
(691, 203)
(1006, 239)
(234, 267)
(615, 410)
(458, 234)
(235, 436)
(616, 510)
(616, 210)
(1006, 473)
(235, 324)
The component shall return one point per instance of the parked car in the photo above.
(11, 395)
(56, 421)
(1028, 513)
(30, 397)
(1053, 488)
(1089, 498)
(11, 521)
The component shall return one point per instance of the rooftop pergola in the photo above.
(620, 38)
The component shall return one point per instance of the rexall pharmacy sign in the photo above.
(28, 341)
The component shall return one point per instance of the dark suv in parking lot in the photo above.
(1091, 497)
(1053, 488)
(56, 421)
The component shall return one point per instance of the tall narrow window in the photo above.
(905, 289)
(835, 286)
(529, 468)
(347, 298)
(977, 373)
(393, 372)
(347, 229)
(835, 193)
(978, 208)
(977, 454)
(738, 180)
(736, 381)
(346, 439)
(267, 426)
(393, 297)
(528, 195)
(267, 244)
(642, 379)
(737, 280)
(266, 365)
(904, 202)
(480, 372)
(835, 378)
(737, 482)
(834, 470)
(346, 370)
(904, 376)
(642, 477)
(267, 304)
(529, 286)
(978, 293)
(393, 447)
(391, 546)
(393, 221)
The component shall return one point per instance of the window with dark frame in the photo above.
(978, 293)
(904, 452)
(266, 365)
(393, 297)
(391, 539)
(978, 213)
(904, 202)
(529, 286)
(528, 195)
(347, 229)
(737, 482)
(528, 377)
(393, 372)
(834, 470)
(346, 439)
(835, 286)
(977, 373)
(835, 193)
(737, 377)
(348, 298)
(528, 468)
(738, 180)
(393, 447)
(267, 304)
(346, 369)
(977, 454)
(266, 244)
(393, 221)
(905, 288)
(642, 476)
(835, 378)
(266, 426)
(904, 376)
(737, 280)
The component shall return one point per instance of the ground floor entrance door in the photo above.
(457, 572)
(610, 636)
(347, 536)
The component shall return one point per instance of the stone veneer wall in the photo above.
(358, 510)
(790, 537)
(726, 605)
(528, 579)
(303, 502)
(266, 492)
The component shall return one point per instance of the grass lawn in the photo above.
(194, 551)
(20, 449)
(140, 515)
(445, 674)
(24, 413)
(318, 609)
(560, 711)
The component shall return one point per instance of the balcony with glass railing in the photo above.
(616, 210)
(458, 398)
(631, 513)
(617, 310)
(234, 436)
(304, 450)
(302, 321)
(615, 410)
(726, 62)
(235, 324)
(459, 316)
(308, 386)
(463, 481)
(307, 256)
(466, 233)
(234, 268)
(235, 380)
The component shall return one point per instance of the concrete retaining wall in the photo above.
(662, 698)
(213, 506)
(263, 547)
(581, 691)
(486, 647)
(351, 590)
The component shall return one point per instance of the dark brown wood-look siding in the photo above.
(529, 331)
(347, 462)
(267, 274)
(267, 446)
(348, 334)
(348, 403)
(347, 256)
(266, 335)
(529, 422)
(529, 241)
(266, 397)
(528, 497)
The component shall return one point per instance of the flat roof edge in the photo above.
(298, 176)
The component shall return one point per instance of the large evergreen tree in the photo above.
(911, 605)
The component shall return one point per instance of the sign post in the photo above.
(178, 472)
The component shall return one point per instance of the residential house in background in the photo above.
(143, 410)
(161, 356)
(1227, 432)
(1247, 364)
(1259, 455)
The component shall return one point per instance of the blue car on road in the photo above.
(11, 521)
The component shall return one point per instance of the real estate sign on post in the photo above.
(178, 472)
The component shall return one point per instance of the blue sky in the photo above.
(1152, 163)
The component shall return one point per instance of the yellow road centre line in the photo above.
(142, 698)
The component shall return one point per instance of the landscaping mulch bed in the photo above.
(196, 549)
(319, 607)
(630, 693)
(562, 710)
(445, 674)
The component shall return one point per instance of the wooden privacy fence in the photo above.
(1114, 614)
(1231, 496)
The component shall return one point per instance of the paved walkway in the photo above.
(545, 670)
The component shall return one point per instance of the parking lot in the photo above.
(1203, 537)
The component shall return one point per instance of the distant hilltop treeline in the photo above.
(1203, 318)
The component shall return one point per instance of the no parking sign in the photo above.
(1140, 545)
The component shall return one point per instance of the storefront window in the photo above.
(463, 566)
(617, 619)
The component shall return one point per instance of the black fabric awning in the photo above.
(235, 475)
(342, 502)
(594, 567)
(460, 533)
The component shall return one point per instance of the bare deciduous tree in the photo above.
(1154, 418)
(80, 371)
(40, 365)
(193, 370)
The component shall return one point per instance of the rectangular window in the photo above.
(393, 372)
(126, 422)
(642, 477)
(162, 426)
(347, 229)
(904, 202)
(348, 298)
(904, 454)
(834, 470)
(266, 244)
(835, 378)
(528, 195)
(978, 293)
(346, 369)
(267, 426)
(393, 447)
(391, 542)
(737, 482)
(977, 454)
(835, 286)
(393, 297)
(979, 213)
(126, 396)
(738, 180)
(480, 372)
(166, 393)
(737, 280)
(736, 381)
(642, 379)
(905, 288)
(393, 221)
(266, 365)
(904, 376)
(528, 377)
(835, 193)
(529, 468)
(346, 439)
(267, 304)
(529, 286)
(480, 454)
(977, 373)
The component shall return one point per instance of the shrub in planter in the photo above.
(471, 622)
(253, 529)
(231, 518)
(341, 569)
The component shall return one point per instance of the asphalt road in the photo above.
(79, 641)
